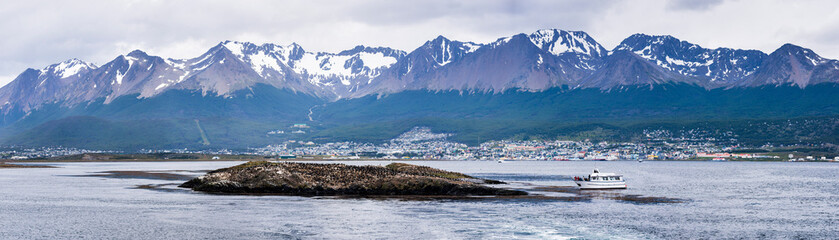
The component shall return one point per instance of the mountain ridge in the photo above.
(550, 58)
(242, 90)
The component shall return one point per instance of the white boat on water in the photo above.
(598, 180)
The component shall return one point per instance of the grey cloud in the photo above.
(692, 4)
(41, 32)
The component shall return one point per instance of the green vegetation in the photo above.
(165, 121)
(795, 117)
(204, 139)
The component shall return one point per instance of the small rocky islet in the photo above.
(315, 179)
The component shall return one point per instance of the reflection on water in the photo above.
(665, 200)
(168, 175)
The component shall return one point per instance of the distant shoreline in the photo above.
(220, 160)
(6, 161)
(195, 157)
(7, 165)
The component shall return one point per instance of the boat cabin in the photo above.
(598, 180)
(598, 176)
(604, 178)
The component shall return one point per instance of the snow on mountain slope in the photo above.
(34, 87)
(533, 62)
(68, 68)
(330, 74)
(414, 70)
(558, 42)
(794, 65)
(344, 72)
(719, 67)
(545, 59)
(624, 68)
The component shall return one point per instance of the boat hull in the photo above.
(593, 185)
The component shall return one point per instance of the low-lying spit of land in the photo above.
(6, 165)
(312, 179)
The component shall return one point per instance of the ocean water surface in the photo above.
(665, 200)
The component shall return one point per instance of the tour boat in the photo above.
(598, 180)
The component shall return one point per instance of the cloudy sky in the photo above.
(37, 33)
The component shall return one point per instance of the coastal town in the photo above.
(422, 143)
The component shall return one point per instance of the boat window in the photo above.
(618, 178)
(594, 178)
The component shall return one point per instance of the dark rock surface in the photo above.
(310, 179)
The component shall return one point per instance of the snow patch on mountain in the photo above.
(323, 68)
(443, 51)
(69, 68)
(716, 65)
(558, 42)
(376, 60)
(119, 76)
(260, 61)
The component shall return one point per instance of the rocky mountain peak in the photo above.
(559, 42)
(68, 68)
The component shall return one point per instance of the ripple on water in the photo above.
(665, 200)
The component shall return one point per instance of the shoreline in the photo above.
(8, 165)
(215, 160)
(8, 161)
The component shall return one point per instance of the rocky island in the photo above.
(313, 179)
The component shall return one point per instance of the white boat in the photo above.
(598, 180)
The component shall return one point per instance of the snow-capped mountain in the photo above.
(134, 73)
(559, 42)
(329, 75)
(35, 87)
(718, 67)
(227, 67)
(347, 71)
(415, 70)
(537, 61)
(794, 65)
(68, 68)
(624, 68)
(239, 90)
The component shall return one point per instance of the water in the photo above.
(718, 200)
